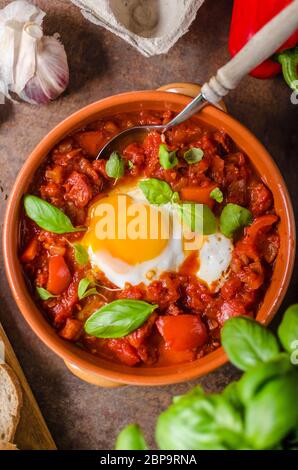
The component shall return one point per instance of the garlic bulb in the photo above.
(32, 66)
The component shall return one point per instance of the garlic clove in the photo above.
(52, 73)
(31, 65)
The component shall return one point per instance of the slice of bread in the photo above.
(7, 446)
(10, 403)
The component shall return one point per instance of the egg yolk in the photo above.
(131, 231)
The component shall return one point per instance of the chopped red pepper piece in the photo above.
(182, 332)
(248, 18)
(59, 275)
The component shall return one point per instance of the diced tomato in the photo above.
(72, 329)
(137, 337)
(229, 309)
(90, 141)
(78, 189)
(30, 251)
(260, 223)
(199, 194)
(124, 351)
(59, 275)
(183, 332)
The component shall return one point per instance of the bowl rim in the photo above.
(68, 352)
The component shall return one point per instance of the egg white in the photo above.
(215, 258)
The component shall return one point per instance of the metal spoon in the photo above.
(262, 45)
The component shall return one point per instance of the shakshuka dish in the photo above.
(140, 257)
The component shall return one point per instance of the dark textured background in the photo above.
(81, 416)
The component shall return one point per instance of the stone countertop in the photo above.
(81, 416)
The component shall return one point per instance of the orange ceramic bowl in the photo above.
(82, 363)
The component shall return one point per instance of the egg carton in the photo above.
(151, 26)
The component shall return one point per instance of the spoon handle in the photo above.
(262, 45)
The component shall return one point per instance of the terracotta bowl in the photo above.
(100, 371)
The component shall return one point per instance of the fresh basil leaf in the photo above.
(167, 159)
(256, 377)
(193, 155)
(231, 394)
(247, 343)
(118, 318)
(272, 414)
(44, 294)
(156, 191)
(83, 290)
(47, 216)
(81, 254)
(199, 422)
(83, 286)
(288, 329)
(198, 217)
(115, 166)
(130, 164)
(217, 195)
(233, 218)
(131, 438)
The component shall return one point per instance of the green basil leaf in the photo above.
(156, 191)
(167, 159)
(288, 329)
(47, 216)
(193, 155)
(217, 195)
(247, 343)
(83, 286)
(198, 217)
(273, 413)
(199, 422)
(131, 438)
(115, 166)
(44, 294)
(130, 164)
(233, 218)
(231, 394)
(118, 318)
(256, 377)
(81, 254)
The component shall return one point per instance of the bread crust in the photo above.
(11, 376)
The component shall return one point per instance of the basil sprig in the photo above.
(115, 166)
(44, 294)
(47, 216)
(167, 159)
(217, 195)
(198, 217)
(193, 155)
(233, 218)
(83, 290)
(257, 412)
(118, 318)
(80, 253)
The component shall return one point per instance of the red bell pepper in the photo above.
(248, 18)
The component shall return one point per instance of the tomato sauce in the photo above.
(187, 323)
